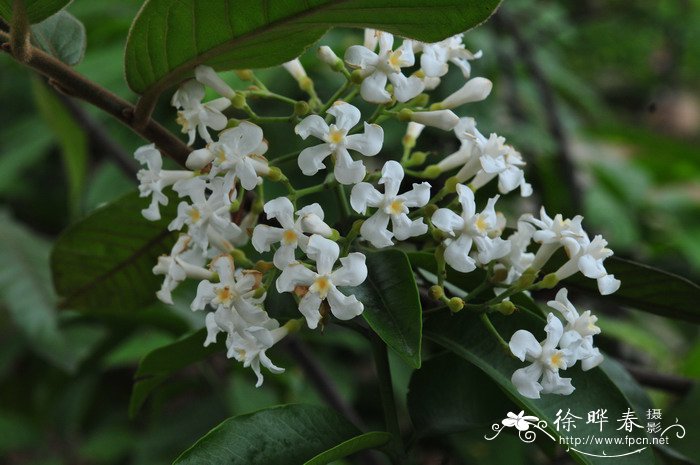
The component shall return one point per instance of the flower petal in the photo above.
(344, 307)
(369, 143)
(524, 345)
(311, 158)
(457, 254)
(324, 252)
(352, 272)
(447, 221)
(264, 236)
(346, 115)
(364, 195)
(373, 88)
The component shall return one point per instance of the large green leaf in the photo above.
(647, 288)
(25, 290)
(464, 335)
(169, 38)
(289, 434)
(162, 362)
(440, 404)
(103, 263)
(392, 304)
(62, 36)
(37, 10)
(365, 441)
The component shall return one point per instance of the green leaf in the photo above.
(37, 10)
(464, 335)
(392, 304)
(647, 288)
(289, 434)
(61, 36)
(162, 362)
(169, 38)
(365, 441)
(465, 399)
(71, 138)
(103, 263)
(25, 289)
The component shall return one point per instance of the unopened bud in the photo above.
(441, 119)
(244, 74)
(207, 76)
(475, 90)
(292, 326)
(455, 304)
(416, 159)
(264, 266)
(436, 292)
(451, 184)
(259, 292)
(328, 56)
(431, 172)
(238, 101)
(499, 275)
(334, 236)
(357, 76)
(405, 114)
(548, 281)
(506, 307)
(421, 100)
(295, 68)
(275, 174)
(301, 108)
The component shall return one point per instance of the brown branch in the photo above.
(547, 98)
(78, 86)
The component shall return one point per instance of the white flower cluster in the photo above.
(306, 258)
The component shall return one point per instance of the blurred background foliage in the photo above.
(624, 80)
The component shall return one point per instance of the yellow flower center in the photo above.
(396, 207)
(556, 359)
(194, 215)
(322, 285)
(481, 224)
(223, 294)
(289, 237)
(220, 155)
(395, 60)
(335, 136)
(182, 121)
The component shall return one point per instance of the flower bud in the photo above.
(292, 326)
(436, 292)
(275, 174)
(527, 278)
(441, 119)
(431, 172)
(506, 307)
(301, 108)
(198, 159)
(475, 90)
(420, 100)
(328, 56)
(412, 133)
(295, 68)
(263, 266)
(207, 76)
(455, 304)
(451, 184)
(244, 74)
(416, 159)
(405, 115)
(238, 101)
(357, 76)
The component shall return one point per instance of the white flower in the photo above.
(435, 56)
(195, 116)
(249, 346)
(552, 233)
(323, 283)
(293, 232)
(413, 131)
(183, 262)
(542, 375)
(390, 206)
(475, 90)
(296, 70)
(466, 133)
(153, 179)
(235, 292)
(518, 259)
(502, 160)
(328, 56)
(470, 227)
(587, 257)
(207, 76)
(377, 68)
(238, 153)
(208, 218)
(338, 142)
(441, 119)
(579, 331)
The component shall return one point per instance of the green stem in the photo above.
(492, 329)
(270, 95)
(335, 96)
(343, 200)
(386, 391)
(284, 158)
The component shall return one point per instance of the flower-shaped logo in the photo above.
(520, 421)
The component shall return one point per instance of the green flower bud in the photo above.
(357, 77)
(549, 281)
(506, 307)
(436, 292)
(275, 174)
(244, 74)
(404, 115)
(301, 108)
(431, 172)
(417, 159)
(238, 101)
(455, 304)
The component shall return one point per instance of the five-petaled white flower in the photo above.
(249, 345)
(553, 233)
(578, 332)
(293, 233)
(183, 262)
(518, 259)
(436, 56)
(470, 227)
(587, 256)
(238, 153)
(390, 206)
(377, 68)
(542, 375)
(208, 218)
(194, 116)
(338, 142)
(153, 179)
(323, 283)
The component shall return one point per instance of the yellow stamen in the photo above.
(395, 59)
(335, 136)
(223, 294)
(396, 207)
(322, 285)
(194, 215)
(555, 360)
(481, 224)
(289, 237)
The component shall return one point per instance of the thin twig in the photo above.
(546, 94)
(77, 85)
